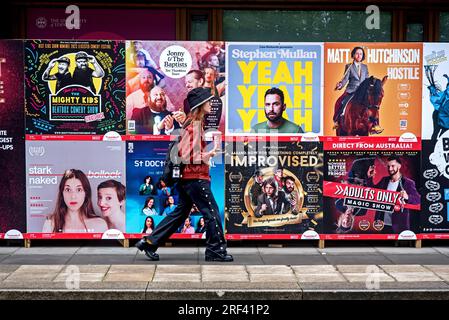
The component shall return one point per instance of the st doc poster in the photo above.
(74, 87)
(372, 89)
(274, 88)
(273, 189)
(12, 140)
(150, 200)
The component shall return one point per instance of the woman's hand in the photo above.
(179, 116)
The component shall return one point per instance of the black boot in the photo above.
(148, 249)
(212, 255)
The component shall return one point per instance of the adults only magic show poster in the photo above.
(371, 188)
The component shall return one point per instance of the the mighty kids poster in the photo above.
(372, 89)
(273, 188)
(371, 187)
(12, 140)
(159, 76)
(274, 88)
(149, 199)
(435, 119)
(74, 87)
(75, 187)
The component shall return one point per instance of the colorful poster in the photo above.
(435, 122)
(371, 187)
(74, 87)
(75, 187)
(435, 90)
(149, 200)
(159, 75)
(435, 190)
(101, 23)
(274, 88)
(12, 140)
(372, 89)
(273, 188)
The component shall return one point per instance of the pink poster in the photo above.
(101, 24)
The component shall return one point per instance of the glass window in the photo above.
(444, 26)
(415, 32)
(303, 26)
(199, 28)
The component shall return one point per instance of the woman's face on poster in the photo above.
(209, 74)
(108, 201)
(74, 194)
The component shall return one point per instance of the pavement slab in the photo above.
(223, 268)
(225, 277)
(435, 268)
(320, 277)
(270, 278)
(130, 273)
(348, 251)
(178, 268)
(36, 259)
(357, 259)
(47, 251)
(407, 251)
(403, 268)
(288, 251)
(357, 268)
(319, 269)
(8, 250)
(267, 269)
(367, 277)
(176, 277)
(422, 258)
(415, 276)
(292, 259)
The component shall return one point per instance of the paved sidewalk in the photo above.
(257, 273)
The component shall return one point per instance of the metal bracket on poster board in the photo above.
(124, 243)
(321, 244)
(27, 243)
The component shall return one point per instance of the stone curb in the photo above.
(227, 294)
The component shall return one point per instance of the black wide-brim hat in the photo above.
(198, 96)
(64, 60)
(81, 55)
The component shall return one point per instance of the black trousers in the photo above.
(191, 192)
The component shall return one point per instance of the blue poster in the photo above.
(149, 200)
